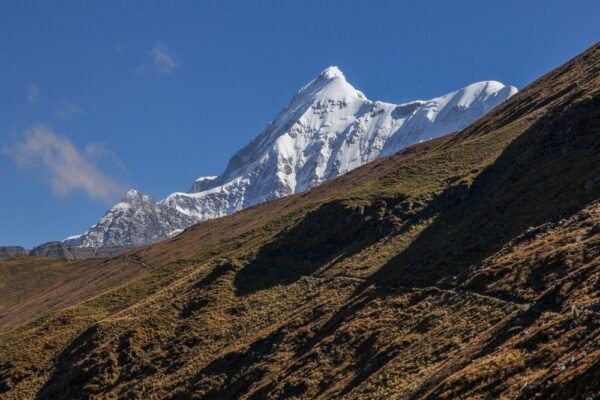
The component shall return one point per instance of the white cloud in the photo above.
(66, 110)
(68, 168)
(32, 93)
(164, 61)
(98, 152)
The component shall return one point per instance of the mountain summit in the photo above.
(328, 129)
(328, 85)
(332, 72)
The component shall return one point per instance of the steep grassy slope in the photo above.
(466, 267)
(33, 286)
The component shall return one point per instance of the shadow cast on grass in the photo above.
(330, 233)
(543, 175)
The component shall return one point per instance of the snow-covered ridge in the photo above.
(136, 220)
(327, 129)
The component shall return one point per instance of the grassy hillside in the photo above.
(465, 267)
(33, 286)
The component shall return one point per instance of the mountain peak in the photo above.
(487, 93)
(132, 194)
(329, 84)
(327, 129)
(488, 87)
(332, 72)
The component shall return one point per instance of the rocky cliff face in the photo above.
(328, 129)
(71, 253)
(11, 251)
(135, 221)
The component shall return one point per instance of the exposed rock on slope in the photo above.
(68, 252)
(135, 221)
(11, 251)
(328, 129)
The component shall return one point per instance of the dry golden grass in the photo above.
(34, 286)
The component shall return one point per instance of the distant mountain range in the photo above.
(328, 129)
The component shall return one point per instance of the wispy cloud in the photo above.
(67, 168)
(65, 110)
(160, 59)
(98, 152)
(164, 61)
(32, 93)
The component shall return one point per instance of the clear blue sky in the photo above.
(153, 94)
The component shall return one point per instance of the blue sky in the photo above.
(152, 95)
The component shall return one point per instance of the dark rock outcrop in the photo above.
(63, 251)
(11, 251)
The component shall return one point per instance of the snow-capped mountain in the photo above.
(136, 220)
(328, 129)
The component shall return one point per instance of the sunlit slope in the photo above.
(33, 286)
